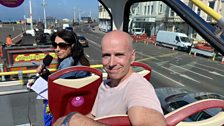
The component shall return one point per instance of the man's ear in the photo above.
(133, 55)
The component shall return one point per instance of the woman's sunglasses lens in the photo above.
(54, 44)
(61, 45)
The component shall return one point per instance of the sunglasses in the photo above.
(61, 45)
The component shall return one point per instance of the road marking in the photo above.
(152, 57)
(168, 54)
(145, 59)
(192, 71)
(13, 92)
(169, 78)
(87, 55)
(182, 75)
(27, 124)
(162, 63)
(212, 72)
(9, 83)
(185, 76)
(210, 67)
(147, 56)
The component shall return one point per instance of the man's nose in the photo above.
(112, 61)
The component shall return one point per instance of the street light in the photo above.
(31, 17)
(45, 20)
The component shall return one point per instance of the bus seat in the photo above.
(67, 95)
(174, 118)
(146, 73)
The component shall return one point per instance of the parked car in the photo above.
(174, 98)
(69, 28)
(84, 42)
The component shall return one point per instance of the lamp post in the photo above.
(74, 14)
(31, 17)
(45, 20)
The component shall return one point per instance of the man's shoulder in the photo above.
(137, 77)
(138, 81)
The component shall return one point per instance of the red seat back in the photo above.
(116, 120)
(67, 95)
(147, 69)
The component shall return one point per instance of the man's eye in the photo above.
(119, 55)
(105, 55)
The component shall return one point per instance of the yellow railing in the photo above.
(215, 15)
(34, 71)
(20, 73)
(207, 9)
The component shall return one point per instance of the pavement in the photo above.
(10, 87)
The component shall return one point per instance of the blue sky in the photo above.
(55, 8)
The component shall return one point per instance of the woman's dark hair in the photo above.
(76, 50)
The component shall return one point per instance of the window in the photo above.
(178, 104)
(145, 10)
(151, 9)
(177, 39)
(161, 8)
(172, 12)
(211, 4)
(200, 116)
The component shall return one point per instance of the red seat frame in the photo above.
(176, 116)
(145, 66)
(182, 113)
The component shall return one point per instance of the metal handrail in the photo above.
(21, 72)
(34, 71)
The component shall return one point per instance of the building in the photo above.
(86, 19)
(104, 19)
(156, 15)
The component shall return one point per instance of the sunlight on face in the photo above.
(116, 58)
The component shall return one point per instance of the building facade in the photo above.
(156, 15)
(104, 19)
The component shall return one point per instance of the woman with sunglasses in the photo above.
(70, 53)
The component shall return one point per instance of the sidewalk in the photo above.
(11, 87)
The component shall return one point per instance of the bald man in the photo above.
(125, 92)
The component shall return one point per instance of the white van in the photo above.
(173, 40)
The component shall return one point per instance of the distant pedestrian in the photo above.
(8, 40)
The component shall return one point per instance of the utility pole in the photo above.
(79, 16)
(31, 17)
(74, 14)
(45, 20)
(90, 14)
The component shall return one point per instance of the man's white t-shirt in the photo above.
(134, 91)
